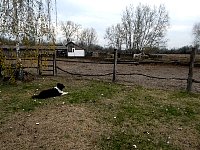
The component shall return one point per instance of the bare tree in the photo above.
(115, 36)
(27, 19)
(127, 22)
(70, 29)
(150, 26)
(142, 27)
(196, 33)
(88, 37)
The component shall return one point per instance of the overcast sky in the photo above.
(101, 14)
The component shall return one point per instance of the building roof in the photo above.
(75, 45)
(42, 47)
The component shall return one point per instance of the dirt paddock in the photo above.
(155, 70)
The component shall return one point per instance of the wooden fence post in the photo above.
(55, 64)
(39, 63)
(115, 65)
(191, 66)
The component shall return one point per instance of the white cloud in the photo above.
(100, 14)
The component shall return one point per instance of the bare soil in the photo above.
(155, 70)
(55, 127)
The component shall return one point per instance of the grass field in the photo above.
(98, 115)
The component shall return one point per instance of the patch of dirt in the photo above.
(53, 127)
(165, 71)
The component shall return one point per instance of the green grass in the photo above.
(93, 92)
(142, 110)
(140, 117)
(18, 97)
(15, 98)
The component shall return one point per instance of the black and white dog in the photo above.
(53, 92)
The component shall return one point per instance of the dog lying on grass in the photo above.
(53, 92)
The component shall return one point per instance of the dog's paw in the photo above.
(64, 93)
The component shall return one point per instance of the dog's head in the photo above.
(60, 86)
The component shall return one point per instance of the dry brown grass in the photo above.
(60, 127)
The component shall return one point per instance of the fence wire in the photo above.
(107, 74)
(125, 74)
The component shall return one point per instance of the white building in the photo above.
(74, 50)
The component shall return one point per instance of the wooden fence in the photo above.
(114, 73)
(46, 64)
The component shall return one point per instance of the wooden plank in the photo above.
(47, 70)
(47, 66)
